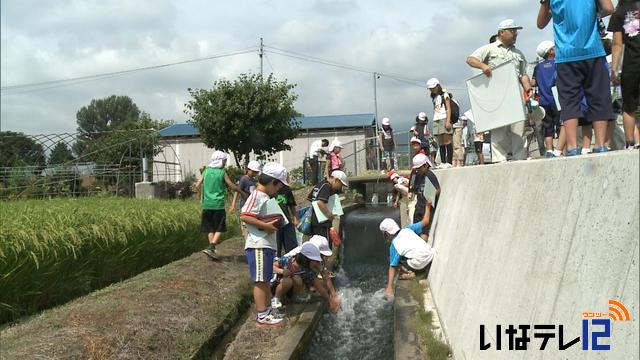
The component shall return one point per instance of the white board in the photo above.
(496, 101)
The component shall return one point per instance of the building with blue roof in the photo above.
(183, 151)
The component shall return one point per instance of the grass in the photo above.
(433, 347)
(55, 250)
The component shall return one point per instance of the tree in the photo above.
(103, 115)
(17, 149)
(250, 114)
(60, 154)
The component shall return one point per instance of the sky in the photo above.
(51, 40)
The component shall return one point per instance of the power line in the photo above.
(269, 62)
(123, 72)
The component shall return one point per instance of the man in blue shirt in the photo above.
(581, 65)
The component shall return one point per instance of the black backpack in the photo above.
(455, 110)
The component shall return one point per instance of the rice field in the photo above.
(52, 251)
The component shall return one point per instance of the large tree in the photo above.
(17, 149)
(60, 154)
(103, 115)
(250, 114)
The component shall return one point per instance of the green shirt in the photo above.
(213, 189)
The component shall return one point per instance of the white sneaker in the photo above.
(270, 320)
(275, 303)
(586, 151)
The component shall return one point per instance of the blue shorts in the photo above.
(260, 264)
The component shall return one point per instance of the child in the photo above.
(322, 244)
(416, 146)
(544, 77)
(212, 184)
(421, 173)
(293, 273)
(321, 193)
(247, 184)
(334, 161)
(260, 244)
(387, 144)
(286, 236)
(400, 186)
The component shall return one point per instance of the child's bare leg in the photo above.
(298, 285)
(215, 239)
(284, 287)
(261, 296)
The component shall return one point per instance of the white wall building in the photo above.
(183, 152)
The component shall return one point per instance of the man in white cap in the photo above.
(213, 184)
(387, 144)
(407, 250)
(421, 172)
(508, 139)
(321, 192)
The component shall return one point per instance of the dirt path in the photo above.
(165, 313)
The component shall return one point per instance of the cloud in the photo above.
(413, 38)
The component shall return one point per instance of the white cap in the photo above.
(340, 175)
(421, 159)
(412, 128)
(322, 244)
(431, 83)
(310, 251)
(254, 165)
(544, 47)
(336, 144)
(386, 121)
(422, 115)
(415, 140)
(508, 24)
(217, 159)
(389, 226)
(276, 171)
(394, 176)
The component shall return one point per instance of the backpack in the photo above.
(455, 108)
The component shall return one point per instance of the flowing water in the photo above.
(364, 328)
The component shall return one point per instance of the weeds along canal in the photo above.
(364, 328)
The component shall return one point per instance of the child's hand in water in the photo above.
(334, 304)
(388, 294)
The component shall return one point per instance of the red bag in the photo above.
(335, 237)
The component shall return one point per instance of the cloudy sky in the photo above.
(52, 40)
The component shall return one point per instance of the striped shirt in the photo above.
(575, 29)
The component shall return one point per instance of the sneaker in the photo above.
(585, 151)
(573, 152)
(549, 155)
(278, 313)
(210, 252)
(268, 321)
(557, 153)
(275, 303)
(601, 150)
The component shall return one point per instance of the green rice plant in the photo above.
(52, 251)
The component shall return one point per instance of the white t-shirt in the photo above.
(252, 207)
(409, 245)
(440, 108)
(314, 149)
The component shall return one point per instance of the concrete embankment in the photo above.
(538, 243)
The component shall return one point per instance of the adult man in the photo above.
(581, 66)
(407, 250)
(317, 149)
(508, 139)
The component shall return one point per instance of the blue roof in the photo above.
(306, 123)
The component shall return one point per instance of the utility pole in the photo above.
(375, 106)
(261, 53)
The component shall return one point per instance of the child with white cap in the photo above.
(332, 185)
(421, 172)
(407, 250)
(212, 184)
(387, 144)
(260, 244)
(334, 160)
(293, 273)
(246, 184)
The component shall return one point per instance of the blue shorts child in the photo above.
(260, 262)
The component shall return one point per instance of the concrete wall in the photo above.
(537, 242)
(192, 154)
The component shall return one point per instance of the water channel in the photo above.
(364, 328)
